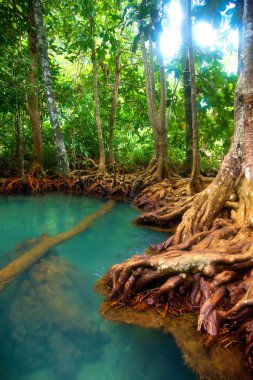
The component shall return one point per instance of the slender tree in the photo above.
(32, 103)
(187, 165)
(160, 166)
(101, 167)
(192, 161)
(60, 150)
(19, 154)
(239, 15)
(115, 90)
(195, 172)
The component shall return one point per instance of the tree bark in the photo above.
(162, 127)
(239, 10)
(101, 167)
(17, 133)
(187, 166)
(152, 81)
(149, 95)
(60, 150)
(32, 104)
(111, 156)
(157, 117)
(195, 173)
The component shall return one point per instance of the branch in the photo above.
(22, 263)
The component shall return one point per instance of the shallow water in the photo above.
(50, 327)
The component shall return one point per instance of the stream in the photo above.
(50, 327)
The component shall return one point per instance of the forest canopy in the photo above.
(100, 41)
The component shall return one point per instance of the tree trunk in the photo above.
(157, 118)
(149, 93)
(17, 134)
(19, 137)
(162, 127)
(60, 150)
(101, 167)
(195, 173)
(153, 82)
(239, 11)
(32, 104)
(187, 165)
(188, 117)
(111, 157)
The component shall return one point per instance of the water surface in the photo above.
(50, 327)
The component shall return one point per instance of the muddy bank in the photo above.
(110, 185)
(222, 360)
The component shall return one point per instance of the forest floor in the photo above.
(37, 181)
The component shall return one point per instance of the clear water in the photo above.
(50, 328)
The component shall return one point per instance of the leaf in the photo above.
(144, 11)
(182, 125)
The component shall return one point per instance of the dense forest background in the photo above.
(94, 52)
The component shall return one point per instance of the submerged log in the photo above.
(22, 263)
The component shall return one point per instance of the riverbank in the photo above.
(226, 359)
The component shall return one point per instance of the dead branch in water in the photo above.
(22, 263)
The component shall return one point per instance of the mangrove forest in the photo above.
(126, 189)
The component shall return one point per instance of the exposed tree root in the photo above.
(113, 184)
(110, 184)
(166, 202)
(169, 190)
(194, 186)
(211, 271)
(156, 172)
(208, 204)
(160, 194)
(168, 215)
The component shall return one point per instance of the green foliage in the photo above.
(210, 11)
(69, 43)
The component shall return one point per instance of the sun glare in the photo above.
(204, 36)
(171, 37)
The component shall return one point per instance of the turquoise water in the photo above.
(50, 328)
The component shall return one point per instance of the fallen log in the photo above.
(22, 263)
